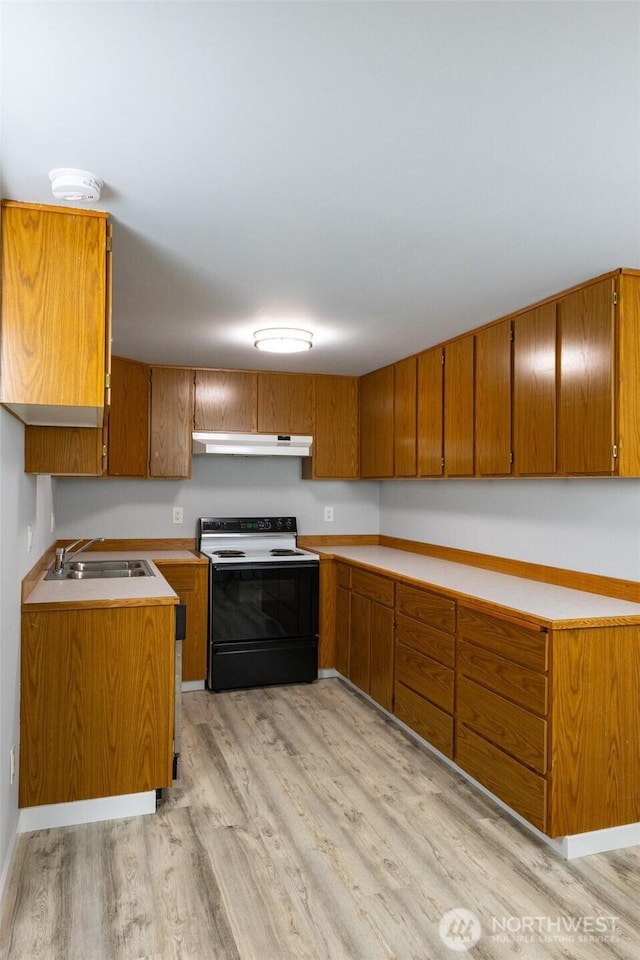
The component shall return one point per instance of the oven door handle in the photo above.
(269, 565)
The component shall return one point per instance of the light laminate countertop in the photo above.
(114, 590)
(547, 604)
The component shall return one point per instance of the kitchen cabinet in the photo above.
(64, 451)
(376, 423)
(430, 415)
(171, 422)
(459, 407)
(128, 427)
(334, 453)
(285, 403)
(190, 580)
(343, 618)
(96, 702)
(405, 417)
(534, 391)
(56, 314)
(424, 664)
(226, 401)
(493, 400)
(371, 635)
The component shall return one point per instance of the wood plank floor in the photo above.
(308, 827)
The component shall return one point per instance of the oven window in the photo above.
(264, 603)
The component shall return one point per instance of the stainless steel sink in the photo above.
(102, 569)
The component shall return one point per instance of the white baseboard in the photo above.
(8, 863)
(189, 686)
(86, 811)
(570, 847)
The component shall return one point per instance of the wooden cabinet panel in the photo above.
(226, 400)
(404, 417)
(171, 422)
(128, 428)
(458, 407)
(428, 721)
(493, 400)
(381, 664)
(519, 787)
(628, 378)
(370, 585)
(526, 646)
(64, 451)
(586, 399)
(54, 350)
(285, 403)
(335, 432)
(376, 423)
(430, 425)
(96, 703)
(512, 680)
(429, 608)
(516, 731)
(343, 630)
(343, 575)
(191, 582)
(425, 640)
(534, 391)
(360, 642)
(425, 676)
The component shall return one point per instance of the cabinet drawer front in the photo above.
(426, 640)
(428, 721)
(424, 676)
(372, 587)
(426, 607)
(509, 679)
(516, 785)
(525, 646)
(343, 575)
(518, 732)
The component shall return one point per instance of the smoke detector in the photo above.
(70, 184)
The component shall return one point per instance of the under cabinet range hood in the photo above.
(252, 444)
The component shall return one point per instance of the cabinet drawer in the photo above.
(518, 732)
(343, 575)
(425, 676)
(507, 678)
(516, 785)
(426, 607)
(428, 721)
(524, 645)
(426, 640)
(372, 587)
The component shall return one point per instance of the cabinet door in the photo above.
(458, 407)
(376, 423)
(226, 400)
(534, 391)
(360, 642)
(404, 417)
(335, 433)
(128, 427)
(381, 656)
(343, 622)
(430, 430)
(64, 451)
(493, 400)
(586, 404)
(190, 581)
(285, 403)
(171, 422)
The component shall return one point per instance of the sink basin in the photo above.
(102, 570)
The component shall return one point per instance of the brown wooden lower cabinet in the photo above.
(429, 721)
(96, 702)
(364, 632)
(191, 582)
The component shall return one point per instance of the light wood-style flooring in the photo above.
(307, 827)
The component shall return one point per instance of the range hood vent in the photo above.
(252, 444)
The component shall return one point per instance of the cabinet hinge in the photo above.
(104, 449)
(442, 359)
(442, 462)
(511, 456)
(109, 244)
(512, 334)
(107, 381)
(615, 451)
(614, 298)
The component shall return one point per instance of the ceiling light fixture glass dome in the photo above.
(283, 340)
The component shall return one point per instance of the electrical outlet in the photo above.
(177, 515)
(29, 538)
(328, 514)
(13, 763)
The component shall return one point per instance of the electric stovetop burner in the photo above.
(228, 553)
(285, 553)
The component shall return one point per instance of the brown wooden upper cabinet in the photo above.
(376, 423)
(534, 391)
(458, 407)
(405, 417)
(335, 431)
(493, 400)
(171, 422)
(55, 314)
(128, 429)
(226, 400)
(430, 427)
(285, 403)
(586, 430)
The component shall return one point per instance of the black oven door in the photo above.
(263, 624)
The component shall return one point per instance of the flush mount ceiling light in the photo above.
(70, 184)
(283, 340)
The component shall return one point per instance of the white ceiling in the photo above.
(394, 173)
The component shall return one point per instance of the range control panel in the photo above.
(247, 525)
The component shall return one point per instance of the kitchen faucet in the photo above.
(62, 553)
